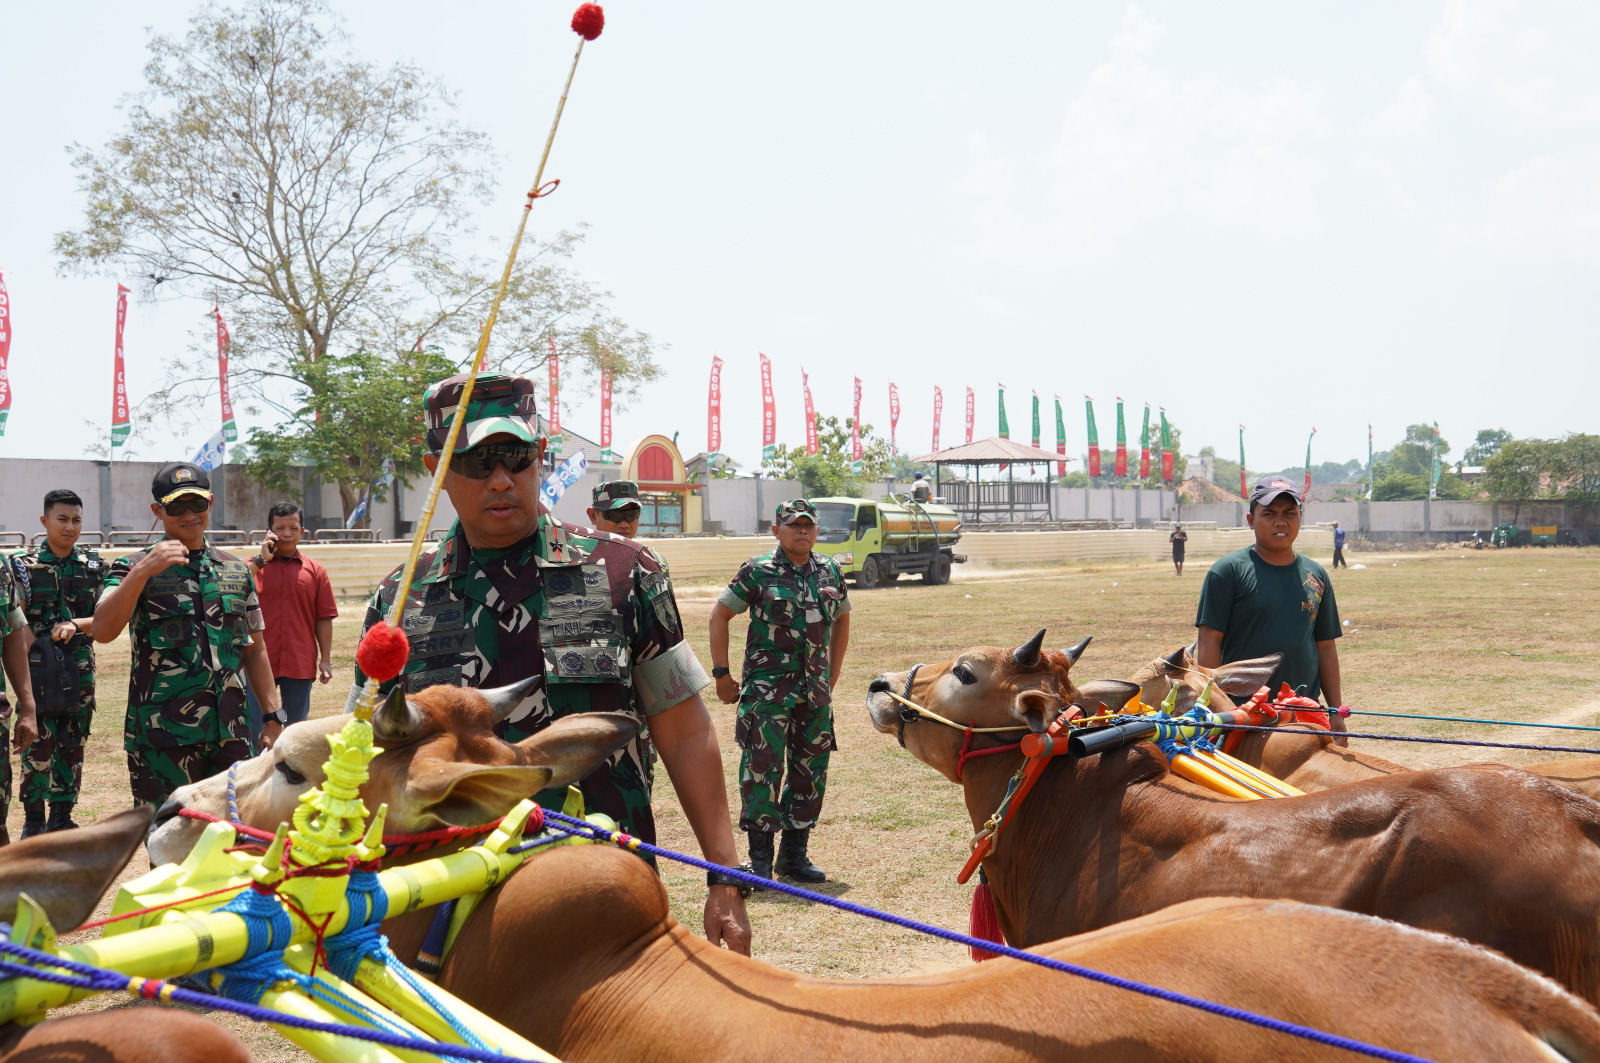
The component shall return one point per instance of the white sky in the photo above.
(1284, 215)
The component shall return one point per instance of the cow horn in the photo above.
(503, 701)
(397, 720)
(1027, 654)
(1174, 660)
(1074, 652)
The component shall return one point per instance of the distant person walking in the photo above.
(921, 489)
(1178, 538)
(1338, 546)
(297, 604)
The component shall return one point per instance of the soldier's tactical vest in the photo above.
(174, 606)
(48, 589)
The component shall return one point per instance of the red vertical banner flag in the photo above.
(938, 415)
(1061, 437)
(1166, 446)
(714, 411)
(554, 416)
(769, 413)
(855, 431)
(972, 412)
(1120, 465)
(5, 354)
(120, 425)
(1144, 445)
(1094, 437)
(811, 414)
(605, 410)
(894, 415)
(230, 430)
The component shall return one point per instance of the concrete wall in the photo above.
(733, 503)
(1106, 503)
(1225, 514)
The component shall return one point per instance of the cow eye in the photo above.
(290, 776)
(964, 674)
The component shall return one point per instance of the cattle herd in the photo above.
(1450, 914)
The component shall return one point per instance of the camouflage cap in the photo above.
(613, 494)
(793, 510)
(500, 403)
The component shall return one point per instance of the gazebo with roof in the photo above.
(1009, 499)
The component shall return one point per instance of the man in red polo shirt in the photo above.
(297, 604)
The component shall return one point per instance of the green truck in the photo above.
(878, 541)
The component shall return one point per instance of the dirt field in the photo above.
(1506, 634)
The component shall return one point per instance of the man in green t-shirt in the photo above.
(1268, 599)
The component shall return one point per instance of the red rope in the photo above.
(156, 908)
(401, 844)
(967, 752)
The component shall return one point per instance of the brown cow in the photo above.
(1494, 855)
(1310, 763)
(628, 983)
(66, 872)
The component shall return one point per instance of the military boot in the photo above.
(32, 818)
(793, 861)
(61, 816)
(760, 854)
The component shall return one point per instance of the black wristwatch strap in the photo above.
(719, 671)
(722, 878)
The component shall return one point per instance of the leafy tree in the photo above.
(1075, 478)
(1576, 463)
(1399, 487)
(828, 471)
(371, 415)
(1484, 447)
(1516, 471)
(317, 198)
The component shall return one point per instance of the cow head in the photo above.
(1178, 668)
(441, 765)
(989, 686)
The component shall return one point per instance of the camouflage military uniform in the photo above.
(186, 707)
(785, 705)
(13, 592)
(61, 589)
(589, 610)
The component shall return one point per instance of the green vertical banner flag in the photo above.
(1035, 420)
(1121, 466)
(1433, 484)
(1144, 445)
(1370, 476)
(1307, 492)
(1094, 438)
(1061, 438)
(1244, 479)
(1005, 426)
(1166, 446)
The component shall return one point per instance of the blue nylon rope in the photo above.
(582, 828)
(1401, 738)
(82, 976)
(1464, 719)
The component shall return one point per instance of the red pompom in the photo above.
(588, 21)
(383, 652)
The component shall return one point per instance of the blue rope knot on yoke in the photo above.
(362, 935)
(268, 931)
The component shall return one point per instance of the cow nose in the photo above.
(170, 808)
(879, 685)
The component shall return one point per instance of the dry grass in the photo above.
(1509, 634)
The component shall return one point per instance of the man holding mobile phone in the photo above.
(297, 604)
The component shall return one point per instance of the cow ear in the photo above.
(1106, 695)
(573, 746)
(470, 795)
(67, 871)
(1037, 709)
(1246, 677)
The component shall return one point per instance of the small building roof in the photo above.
(1197, 489)
(991, 451)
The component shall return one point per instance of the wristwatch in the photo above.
(722, 878)
(280, 715)
(719, 671)
(260, 559)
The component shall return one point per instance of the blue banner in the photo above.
(210, 455)
(567, 474)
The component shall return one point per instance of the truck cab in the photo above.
(877, 541)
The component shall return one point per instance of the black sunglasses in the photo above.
(479, 462)
(623, 514)
(187, 504)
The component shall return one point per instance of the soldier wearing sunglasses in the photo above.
(514, 595)
(196, 632)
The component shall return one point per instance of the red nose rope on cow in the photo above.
(1187, 740)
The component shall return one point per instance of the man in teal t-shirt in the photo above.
(1268, 599)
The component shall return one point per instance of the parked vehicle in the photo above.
(878, 541)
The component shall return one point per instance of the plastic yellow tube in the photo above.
(1270, 781)
(1204, 774)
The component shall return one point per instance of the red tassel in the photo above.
(588, 21)
(984, 922)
